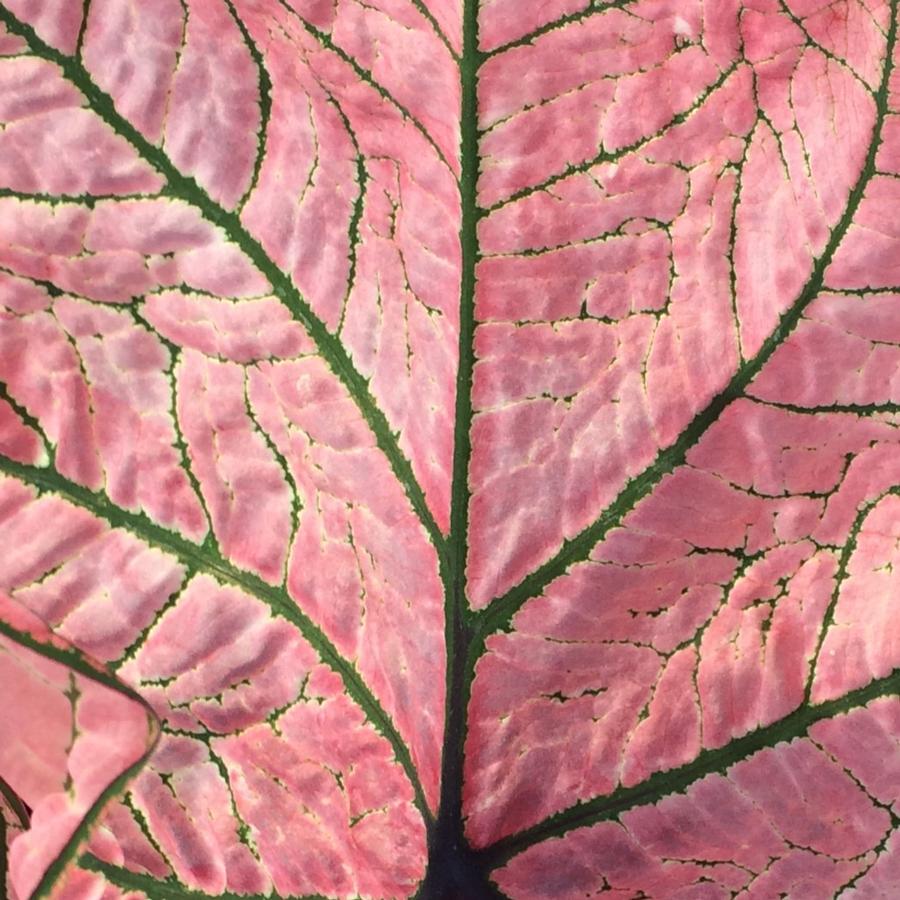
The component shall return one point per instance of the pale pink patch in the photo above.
(70, 151)
(861, 643)
(241, 480)
(117, 34)
(17, 440)
(211, 122)
(56, 21)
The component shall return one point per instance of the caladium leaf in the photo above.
(466, 432)
(71, 736)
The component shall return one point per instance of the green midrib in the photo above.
(450, 868)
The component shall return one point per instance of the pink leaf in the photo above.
(466, 432)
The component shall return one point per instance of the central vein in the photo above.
(452, 871)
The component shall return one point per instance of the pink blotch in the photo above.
(865, 741)
(811, 800)
(315, 849)
(548, 723)
(670, 735)
(243, 665)
(581, 207)
(244, 332)
(359, 554)
(102, 598)
(868, 255)
(40, 549)
(503, 21)
(30, 86)
(20, 296)
(130, 401)
(303, 201)
(190, 818)
(378, 35)
(42, 372)
(772, 261)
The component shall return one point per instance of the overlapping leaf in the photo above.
(470, 428)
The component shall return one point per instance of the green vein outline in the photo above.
(433, 22)
(608, 156)
(592, 8)
(326, 43)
